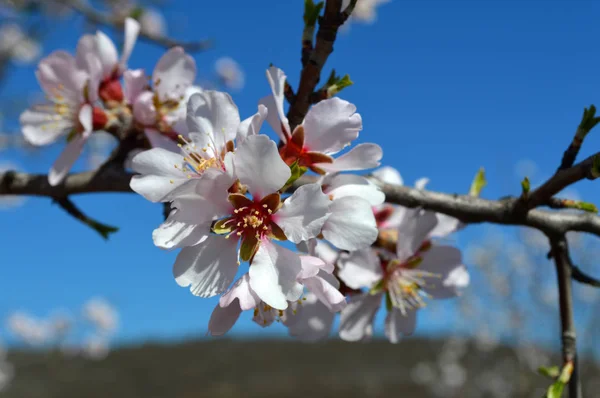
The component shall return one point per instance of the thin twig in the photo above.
(103, 229)
(564, 266)
(581, 277)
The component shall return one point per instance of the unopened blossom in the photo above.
(230, 73)
(365, 10)
(161, 110)
(101, 314)
(101, 47)
(417, 270)
(329, 126)
(71, 92)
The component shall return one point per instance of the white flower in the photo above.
(417, 270)
(230, 73)
(329, 126)
(364, 11)
(96, 347)
(20, 47)
(29, 329)
(153, 22)
(101, 314)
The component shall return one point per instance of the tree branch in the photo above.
(102, 19)
(564, 266)
(103, 229)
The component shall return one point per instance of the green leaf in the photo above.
(555, 390)
(339, 85)
(565, 374)
(311, 12)
(388, 301)
(549, 371)
(526, 186)
(297, 172)
(478, 183)
(137, 13)
(585, 206)
(588, 122)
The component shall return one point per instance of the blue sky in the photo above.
(445, 87)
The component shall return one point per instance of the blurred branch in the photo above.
(564, 266)
(581, 277)
(97, 17)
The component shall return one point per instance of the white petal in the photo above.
(183, 227)
(451, 274)
(65, 161)
(242, 292)
(361, 157)
(276, 78)
(132, 29)
(397, 324)
(413, 231)
(361, 268)
(342, 185)
(86, 119)
(303, 214)
(144, 111)
(421, 183)
(446, 225)
(258, 165)
(85, 46)
(327, 293)
(389, 175)
(357, 317)
(157, 169)
(107, 53)
(312, 265)
(173, 74)
(135, 82)
(214, 115)
(273, 117)
(251, 125)
(273, 275)
(40, 127)
(158, 140)
(61, 79)
(312, 321)
(208, 268)
(325, 252)
(222, 319)
(351, 225)
(331, 125)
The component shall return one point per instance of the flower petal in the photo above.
(184, 226)
(389, 175)
(258, 165)
(157, 170)
(451, 274)
(273, 118)
(273, 274)
(312, 321)
(351, 225)
(303, 214)
(312, 265)
(251, 125)
(361, 268)
(208, 268)
(397, 324)
(135, 83)
(173, 74)
(342, 185)
(41, 128)
(361, 157)
(213, 115)
(276, 78)
(132, 29)
(222, 319)
(144, 110)
(158, 140)
(242, 292)
(357, 318)
(413, 230)
(65, 161)
(331, 125)
(446, 225)
(326, 293)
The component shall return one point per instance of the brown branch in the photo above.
(102, 19)
(103, 229)
(564, 266)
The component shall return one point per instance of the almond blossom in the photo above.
(417, 270)
(329, 126)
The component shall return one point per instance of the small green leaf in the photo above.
(555, 390)
(478, 183)
(297, 172)
(388, 302)
(526, 186)
(549, 371)
(339, 86)
(588, 122)
(585, 206)
(137, 13)
(311, 12)
(565, 374)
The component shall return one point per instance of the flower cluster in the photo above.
(94, 91)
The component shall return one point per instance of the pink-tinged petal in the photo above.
(94, 68)
(397, 324)
(326, 293)
(276, 78)
(258, 165)
(40, 127)
(358, 316)
(331, 125)
(446, 225)
(413, 230)
(361, 268)
(65, 161)
(303, 214)
(312, 321)
(251, 125)
(158, 140)
(132, 29)
(312, 265)
(342, 185)
(181, 230)
(61, 79)
(158, 175)
(242, 292)
(324, 251)
(135, 83)
(389, 175)
(222, 319)
(144, 111)
(86, 46)
(361, 157)
(273, 275)
(173, 74)
(207, 268)
(351, 225)
(451, 275)
(107, 53)
(213, 116)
